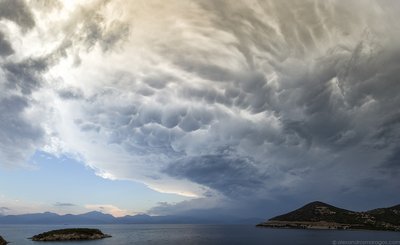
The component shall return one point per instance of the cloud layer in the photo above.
(260, 100)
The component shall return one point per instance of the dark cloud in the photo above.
(5, 46)
(229, 175)
(343, 103)
(275, 101)
(268, 98)
(20, 133)
(70, 93)
(393, 161)
(25, 75)
(231, 210)
(19, 136)
(18, 12)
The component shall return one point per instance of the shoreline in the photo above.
(320, 225)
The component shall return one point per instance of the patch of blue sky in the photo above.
(62, 179)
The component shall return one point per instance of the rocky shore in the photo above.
(323, 225)
(76, 234)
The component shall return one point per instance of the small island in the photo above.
(75, 234)
(2, 241)
(319, 215)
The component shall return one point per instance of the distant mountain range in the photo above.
(101, 218)
(319, 215)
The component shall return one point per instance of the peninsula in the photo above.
(319, 215)
(70, 235)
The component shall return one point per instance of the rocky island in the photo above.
(319, 215)
(2, 241)
(70, 235)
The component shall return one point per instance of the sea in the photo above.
(176, 234)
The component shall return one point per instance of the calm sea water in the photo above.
(204, 234)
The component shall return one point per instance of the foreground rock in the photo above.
(2, 241)
(76, 234)
(319, 215)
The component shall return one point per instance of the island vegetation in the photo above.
(319, 215)
(70, 235)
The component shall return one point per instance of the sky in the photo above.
(200, 107)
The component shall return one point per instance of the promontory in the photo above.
(319, 215)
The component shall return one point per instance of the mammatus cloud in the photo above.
(226, 101)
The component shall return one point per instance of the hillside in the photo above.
(319, 215)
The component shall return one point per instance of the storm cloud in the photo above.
(219, 100)
(20, 134)
(5, 46)
(18, 12)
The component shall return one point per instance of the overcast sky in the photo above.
(245, 108)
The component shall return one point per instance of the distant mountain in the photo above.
(101, 218)
(52, 218)
(29, 218)
(98, 216)
(139, 218)
(319, 215)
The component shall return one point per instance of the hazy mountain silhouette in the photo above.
(101, 218)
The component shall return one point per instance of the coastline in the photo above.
(319, 225)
